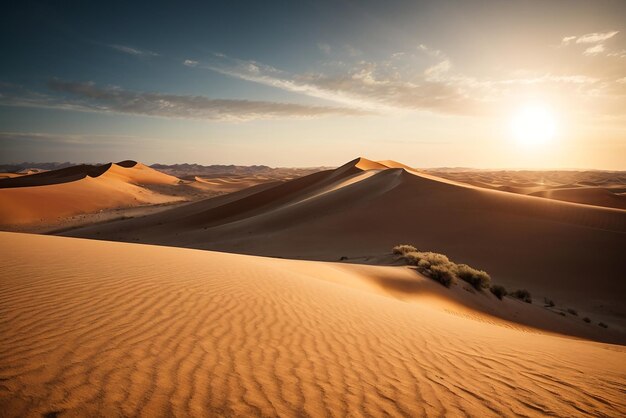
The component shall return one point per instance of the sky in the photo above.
(316, 83)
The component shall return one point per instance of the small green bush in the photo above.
(572, 311)
(443, 275)
(477, 278)
(403, 249)
(586, 319)
(523, 294)
(499, 291)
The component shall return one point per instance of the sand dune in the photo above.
(598, 188)
(166, 331)
(570, 253)
(55, 195)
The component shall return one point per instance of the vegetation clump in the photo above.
(586, 319)
(522, 294)
(603, 325)
(499, 291)
(440, 268)
(572, 311)
(442, 274)
(477, 278)
(549, 303)
(403, 249)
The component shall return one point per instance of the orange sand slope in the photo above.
(568, 252)
(93, 328)
(53, 195)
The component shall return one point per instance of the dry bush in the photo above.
(499, 291)
(477, 278)
(403, 249)
(572, 311)
(443, 274)
(523, 294)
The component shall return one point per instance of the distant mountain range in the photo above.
(178, 170)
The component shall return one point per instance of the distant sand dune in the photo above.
(58, 194)
(165, 331)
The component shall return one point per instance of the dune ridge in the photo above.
(169, 331)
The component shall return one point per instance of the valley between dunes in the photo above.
(94, 328)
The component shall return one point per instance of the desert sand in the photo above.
(568, 252)
(169, 331)
(598, 188)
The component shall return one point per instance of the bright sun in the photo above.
(533, 124)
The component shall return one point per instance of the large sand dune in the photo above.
(93, 328)
(569, 252)
(52, 196)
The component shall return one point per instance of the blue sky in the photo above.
(430, 83)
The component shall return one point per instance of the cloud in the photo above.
(566, 40)
(593, 38)
(430, 51)
(594, 50)
(133, 51)
(365, 86)
(596, 38)
(190, 63)
(92, 98)
(403, 84)
(438, 69)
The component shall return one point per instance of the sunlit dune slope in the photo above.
(93, 328)
(53, 195)
(568, 252)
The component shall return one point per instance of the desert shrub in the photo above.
(425, 260)
(435, 259)
(443, 274)
(403, 249)
(440, 268)
(499, 291)
(523, 294)
(477, 278)
(424, 264)
(572, 311)
(549, 302)
(603, 325)
(586, 319)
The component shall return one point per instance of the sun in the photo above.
(533, 124)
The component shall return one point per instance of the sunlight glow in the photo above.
(533, 124)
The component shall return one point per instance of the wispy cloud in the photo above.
(589, 38)
(144, 53)
(594, 50)
(93, 98)
(597, 38)
(593, 38)
(397, 84)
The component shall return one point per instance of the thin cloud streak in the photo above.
(92, 98)
(133, 51)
